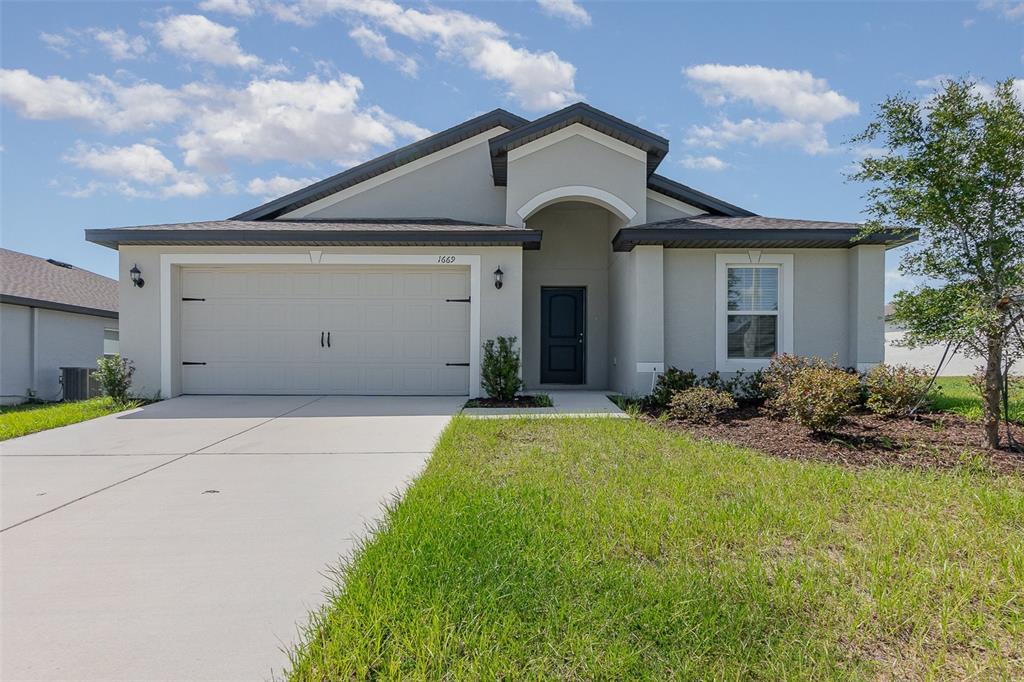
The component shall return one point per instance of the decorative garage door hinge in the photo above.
(186, 298)
(456, 300)
(456, 364)
(193, 363)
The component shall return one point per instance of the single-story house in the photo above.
(52, 315)
(386, 278)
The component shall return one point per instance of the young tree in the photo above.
(954, 168)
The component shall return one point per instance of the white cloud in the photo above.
(56, 42)
(710, 163)
(316, 119)
(119, 44)
(810, 137)
(375, 46)
(195, 37)
(140, 164)
(294, 121)
(804, 103)
(537, 80)
(277, 186)
(794, 94)
(240, 8)
(1010, 9)
(567, 10)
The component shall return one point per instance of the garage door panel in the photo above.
(259, 331)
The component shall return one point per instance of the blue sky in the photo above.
(128, 113)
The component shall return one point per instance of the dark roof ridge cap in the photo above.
(497, 143)
(373, 167)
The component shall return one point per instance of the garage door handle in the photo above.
(328, 339)
(456, 364)
(321, 339)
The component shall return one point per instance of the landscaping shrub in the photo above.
(499, 368)
(894, 390)
(114, 374)
(818, 396)
(671, 381)
(775, 380)
(749, 387)
(700, 404)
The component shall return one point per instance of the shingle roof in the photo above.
(30, 280)
(707, 231)
(382, 164)
(689, 195)
(656, 146)
(352, 232)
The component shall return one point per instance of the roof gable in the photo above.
(655, 146)
(382, 164)
(689, 195)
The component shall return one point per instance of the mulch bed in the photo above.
(518, 401)
(932, 441)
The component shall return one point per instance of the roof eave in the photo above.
(697, 238)
(55, 305)
(115, 237)
(689, 195)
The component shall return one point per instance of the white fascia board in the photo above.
(684, 208)
(582, 131)
(392, 174)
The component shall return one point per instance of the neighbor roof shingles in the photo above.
(30, 280)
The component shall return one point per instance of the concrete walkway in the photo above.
(565, 404)
(187, 540)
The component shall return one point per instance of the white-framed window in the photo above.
(753, 309)
(111, 342)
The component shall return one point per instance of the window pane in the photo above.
(111, 343)
(753, 288)
(752, 336)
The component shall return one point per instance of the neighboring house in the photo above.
(52, 315)
(384, 279)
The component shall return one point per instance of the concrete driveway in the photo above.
(189, 539)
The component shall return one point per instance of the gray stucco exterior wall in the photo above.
(826, 314)
(458, 186)
(61, 340)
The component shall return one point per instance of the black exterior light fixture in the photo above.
(498, 274)
(137, 276)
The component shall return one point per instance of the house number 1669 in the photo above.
(446, 259)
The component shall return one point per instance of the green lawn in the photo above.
(20, 420)
(612, 549)
(959, 396)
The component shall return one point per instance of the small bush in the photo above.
(749, 387)
(700, 404)
(775, 380)
(819, 396)
(671, 381)
(499, 368)
(894, 390)
(114, 375)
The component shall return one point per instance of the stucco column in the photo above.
(649, 329)
(866, 300)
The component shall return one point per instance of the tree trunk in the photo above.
(993, 390)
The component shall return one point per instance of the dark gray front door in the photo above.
(563, 335)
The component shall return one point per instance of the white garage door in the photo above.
(382, 330)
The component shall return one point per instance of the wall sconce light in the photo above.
(137, 277)
(498, 274)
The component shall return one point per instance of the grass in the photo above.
(21, 420)
(958, 396)
(611, 549)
